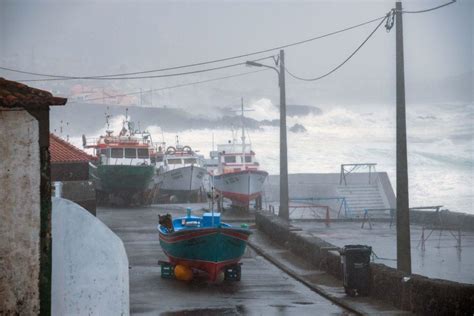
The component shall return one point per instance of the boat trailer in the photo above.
(232, 272)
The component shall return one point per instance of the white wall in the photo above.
(90, 265)
(19, 213)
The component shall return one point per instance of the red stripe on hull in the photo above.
(239, 197)
(235, 234)
(186, 235)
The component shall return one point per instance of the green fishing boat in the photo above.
(125, 165)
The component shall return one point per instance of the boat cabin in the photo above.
(235, 157)
(122, 150)
(179, 157)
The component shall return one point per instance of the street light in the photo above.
(284, 199)
(255, 64)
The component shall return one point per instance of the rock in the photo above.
(298, 128)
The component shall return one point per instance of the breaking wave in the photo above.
(440, 146)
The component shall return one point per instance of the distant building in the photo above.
(88, 94)
(70, 167)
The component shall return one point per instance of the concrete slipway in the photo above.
(265, 289)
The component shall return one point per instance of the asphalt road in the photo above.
(263, 290)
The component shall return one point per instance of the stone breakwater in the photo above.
(414, 293)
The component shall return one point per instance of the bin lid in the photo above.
(356, 248)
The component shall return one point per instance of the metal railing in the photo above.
(349, 168)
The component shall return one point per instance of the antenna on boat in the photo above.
(163, 143)
(107, 116)
(213, 196)
(243, 132)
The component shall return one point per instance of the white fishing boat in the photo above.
(180, 172)
(237, 176)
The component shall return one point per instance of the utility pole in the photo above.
(284, 199)
(403, 215)
(283, 212)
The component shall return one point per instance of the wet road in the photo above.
(263, 290)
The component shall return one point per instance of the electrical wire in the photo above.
(150, 76)
(430, 9)
(345, 61)
(200, 63)
(119, 76)
(172, 87)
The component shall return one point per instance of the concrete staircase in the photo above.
(360, 197)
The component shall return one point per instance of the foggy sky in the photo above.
(99, 37)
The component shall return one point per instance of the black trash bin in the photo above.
(356, 269)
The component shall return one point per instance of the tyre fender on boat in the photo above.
(170, 150)
(187, 149)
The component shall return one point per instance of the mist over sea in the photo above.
(440, 145)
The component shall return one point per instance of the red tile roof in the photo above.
(15, 94)
(64, 152)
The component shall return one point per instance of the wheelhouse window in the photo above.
(229, 159)
(103, 152)
(130, 153)
(117, 153)
(143, 153)
(248, 158)
(174, 161)
(190, 160)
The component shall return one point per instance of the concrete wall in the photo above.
(377, 194)
(19, 213)
(418, 294)
(90, 265)
(445, 219)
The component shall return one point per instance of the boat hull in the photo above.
(123, 185)
(241, 187)
(117, 178)
(206, 249)
(185, 179)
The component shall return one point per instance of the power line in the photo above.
(196, 64)
(147, 77)
(389, 18)
(430, 9)
(173, 87)
(345, 61)
(119, 75)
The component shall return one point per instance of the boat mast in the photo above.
(243, 133)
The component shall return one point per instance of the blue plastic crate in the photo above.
(207, 219)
